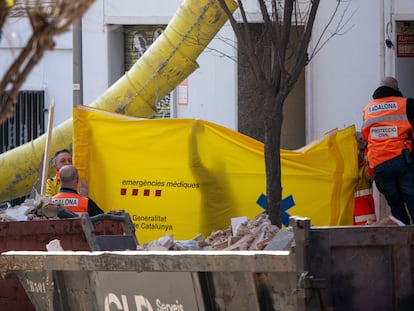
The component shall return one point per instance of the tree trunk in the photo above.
(273, 129)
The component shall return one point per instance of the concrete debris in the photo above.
(237, 221)
(162, 244)
(18, 212)
(32, 209)
(242, 234)
(282, 241)
(248, 235)
(54, 246)
(167, 242)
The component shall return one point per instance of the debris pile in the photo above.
(35, 209)
(242, 234)
(247, 235)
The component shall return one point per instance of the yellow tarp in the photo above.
(186, 176)
(165, 64)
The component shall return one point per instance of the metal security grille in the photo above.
(21, 7)
(28, 122)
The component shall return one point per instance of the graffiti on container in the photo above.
(35, 287)
(140, 303)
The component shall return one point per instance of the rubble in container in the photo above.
(34, 209)
(247, 235)
(242, 234)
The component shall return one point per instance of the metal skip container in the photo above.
(327, 268)
(141, 280)
(83, 233)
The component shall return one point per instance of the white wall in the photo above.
(342, 77)
(54, 71)
(95, 53)
(134, 12)
(339, 81)
(212, 87)
(403, 6)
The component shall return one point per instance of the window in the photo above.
(28, 122)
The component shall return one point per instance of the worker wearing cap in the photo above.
(68, 195)
(388, 131)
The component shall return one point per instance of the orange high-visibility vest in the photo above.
(386, 129)
(71, 201)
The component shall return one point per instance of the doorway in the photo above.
(404, 57)
(250, 110)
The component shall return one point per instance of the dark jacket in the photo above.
(385, 91)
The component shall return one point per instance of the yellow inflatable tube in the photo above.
(169, 60)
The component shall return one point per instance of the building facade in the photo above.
(376, 39)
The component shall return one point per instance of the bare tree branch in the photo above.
(322, 41)
(302, 58)
(287, 29)
(46, 22)
(244, 38)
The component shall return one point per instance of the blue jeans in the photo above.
(395, 180)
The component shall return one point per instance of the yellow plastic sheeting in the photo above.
(185, 176)
(321, 178)
(169, 60)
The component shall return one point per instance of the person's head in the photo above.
(62, 157)
(69, 177)
(390, 82)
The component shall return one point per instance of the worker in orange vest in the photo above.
(68, 195)
(388, 129)
(364, 209)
